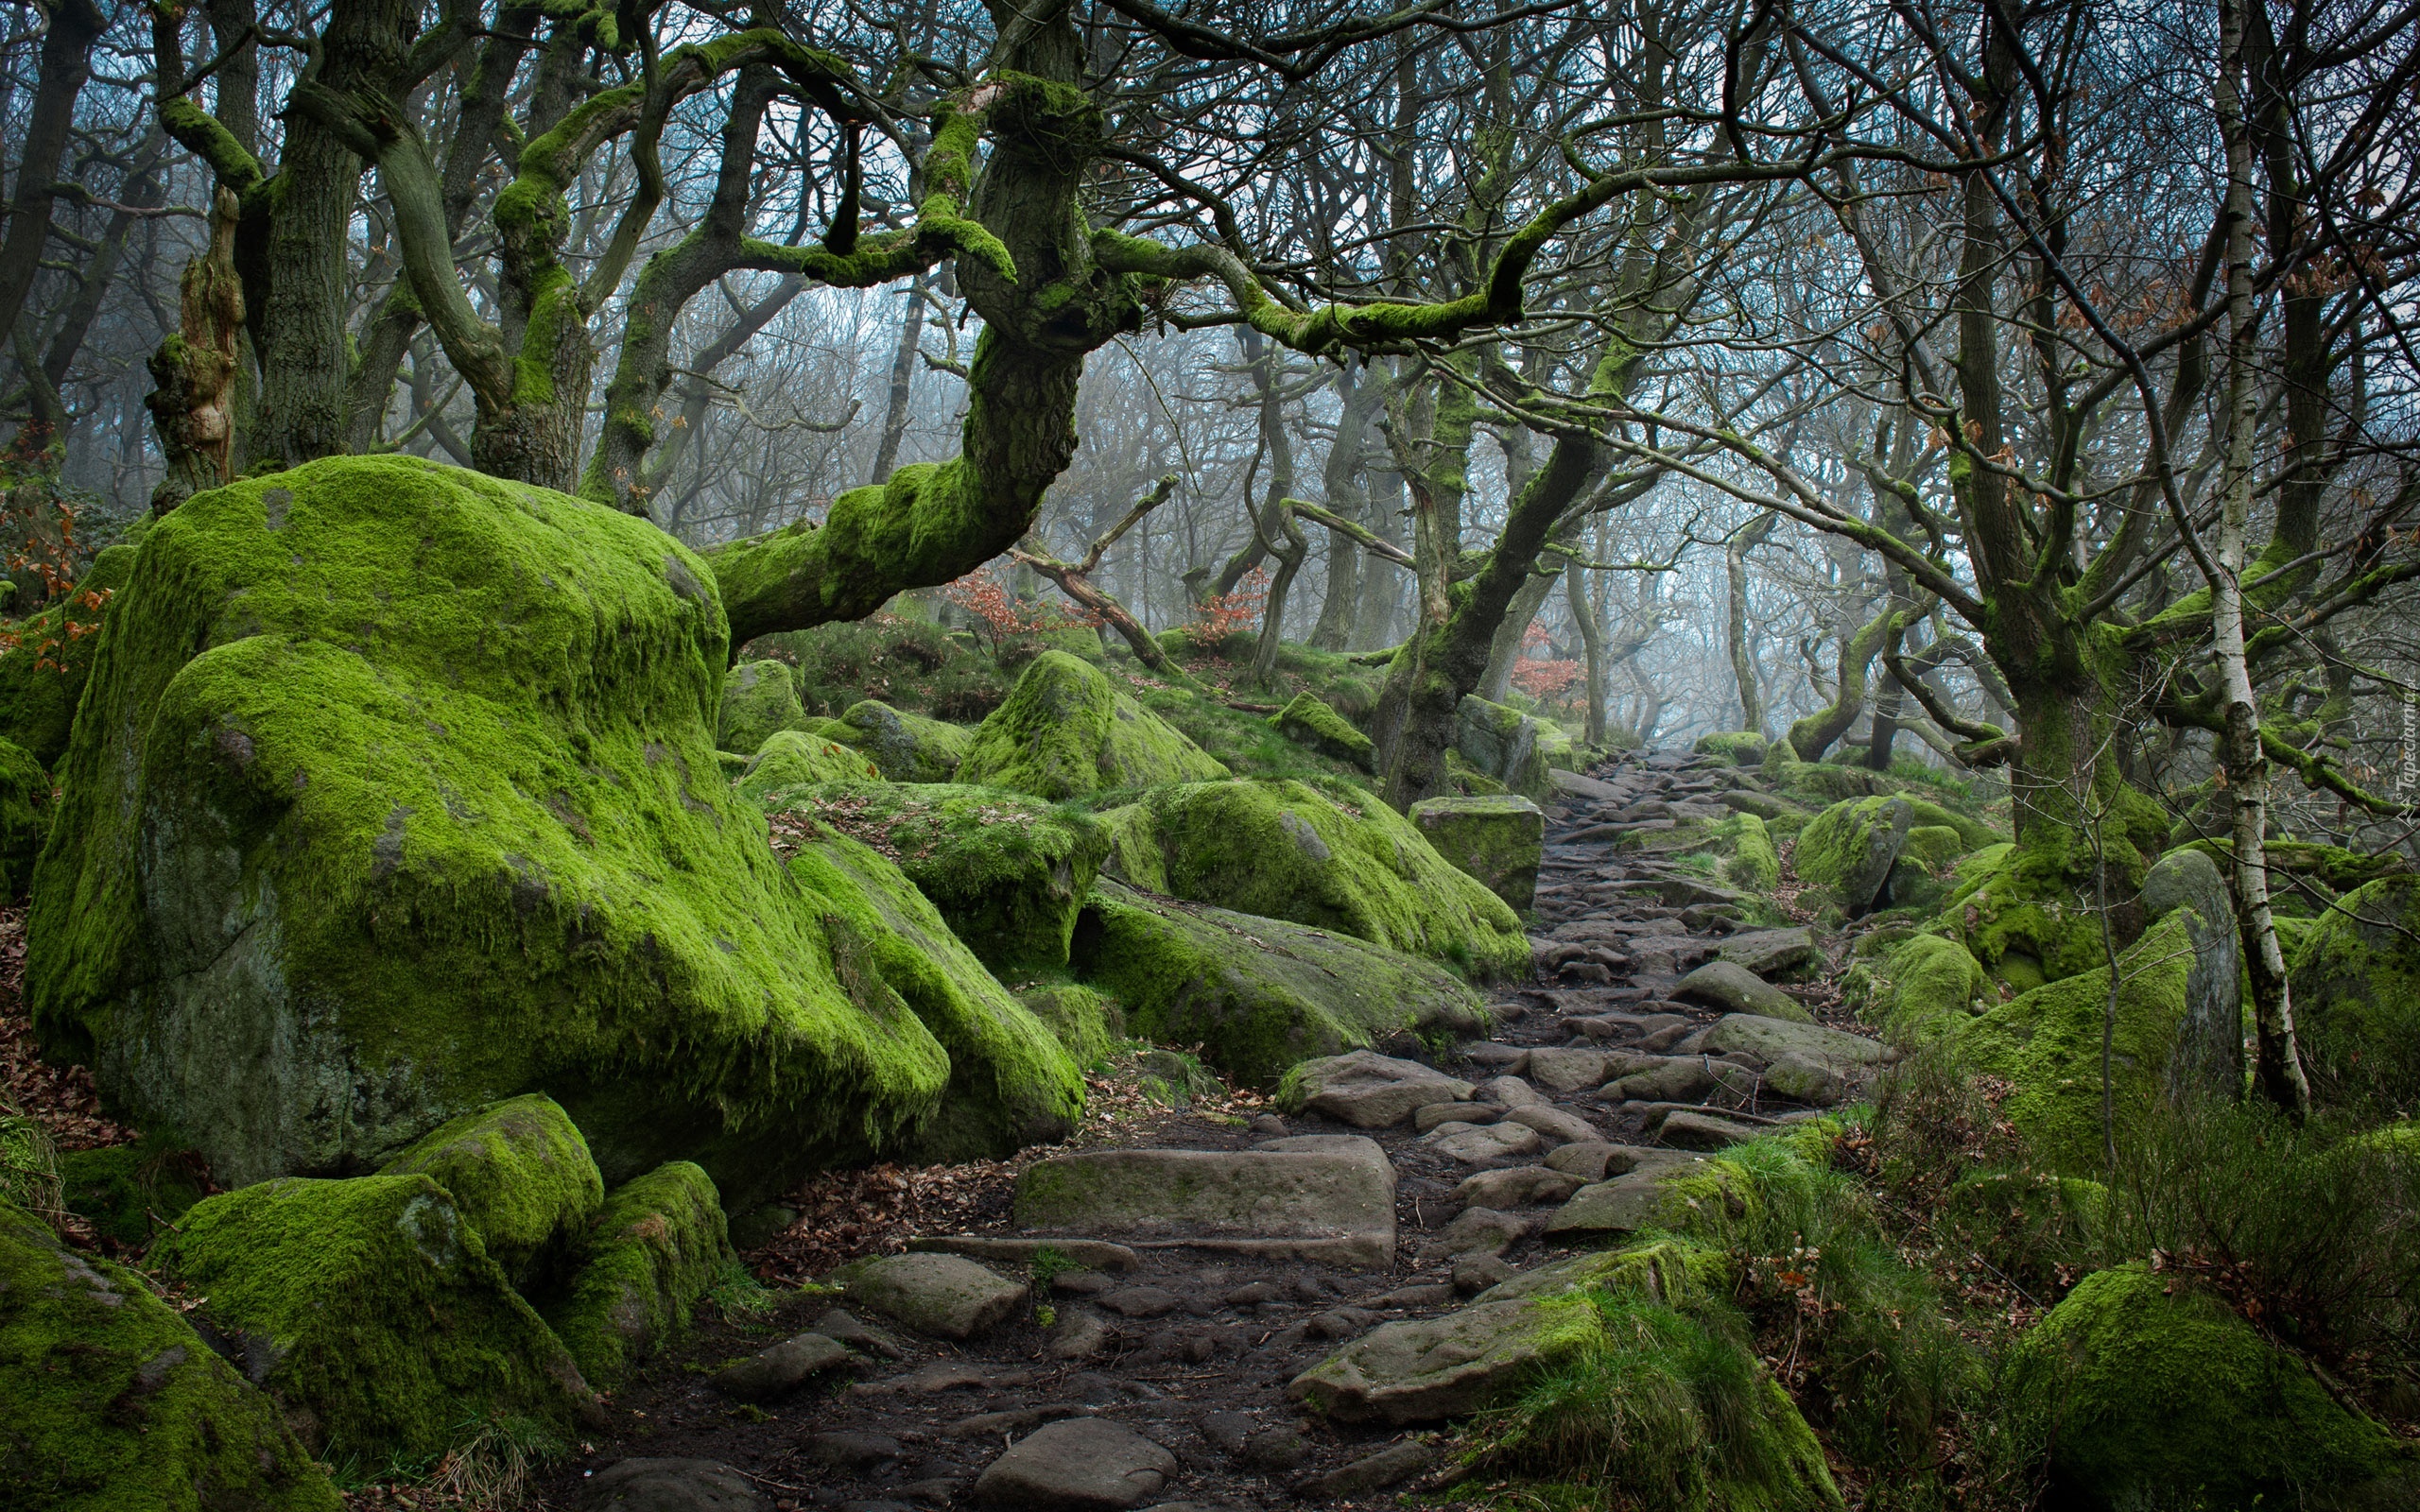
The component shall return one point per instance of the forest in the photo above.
(1082, 755)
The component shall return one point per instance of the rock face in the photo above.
(399, 797)
(948, 1297)
(1848, 849)
(1335, 1203)
(794, 758)
(2356, 993)
(906, 747)
(1329, 856)
(520, 1174)
(643, 1264)
(111, 1402)
(1499, 841)
(427, 1332)
(758, 697)
(1084, 1464)
(1065, 731)
(1007, 873)
(1308, 720)
(1510, 747)
(2146, 1386)
(1257, 994)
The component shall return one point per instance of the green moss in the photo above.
(1066, 731)
(1755, 863)
(906, 747)
(119, 1188)
(2357, 995)
(399, 797)
(24, 816)
(757, 699)
(794, 758)
(1512, 747)
(1496, 841)
(2025, 928)
(46, 665)
(656, 1247)
(1933, 845)
(1086, 1021)
(1928, 986)
(1744, 748)
(377, 1318)
(1308, 720)
(111, 1402)
(519, 1172)
(1972, 834)
(1848, 849)
(1258, 995)
(1330, 857)
(1007, 871)
(2149, 1388)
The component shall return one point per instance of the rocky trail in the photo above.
(1247, 1311)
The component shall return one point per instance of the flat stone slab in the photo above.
(1475, 1144)
(781, 1369)
(1520, 1186)
(1730, 984)
(948, 1297)
(1770, 1039)
(1093, 1254)
(1553, 1124)
(1767, 951)
(1334, 1203)
(1371, 1091)
(1625, 1204)
(1423, 1369)
(1086, 1464)
(1705, 1131)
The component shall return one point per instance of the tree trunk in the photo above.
(1592, 637)
(65, 63)
(903, 380)
(1361, 389)
(1743, 666)
(195, 368)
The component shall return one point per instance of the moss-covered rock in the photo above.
(2148, 1388)
(1308, 720)
(655, 1247)
(1498, 841)
(1973, 834)
(49, 658)
(1925, 987)
(794, 758)
(1755, 862)
(1849, 849)
(111, 1402)
(2357, 995)
(1331, 858)
(119, 1188)
(519, 1172)
(1007, 871)
(1257, 994)
(24, 816)
(1933, 846)
(1512, 747)
(1066, 731)
(1087, 1022)
(1744, 748)
(757, 699)
(371, 1311)
(906, 748)
(399, 797)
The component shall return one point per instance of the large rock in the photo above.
(24, 816)
(1076, 1464)
(2357, 993)
(1257, 994)
(1624, 1204)
(1007, 871)
(520, 1174)
(1848, 849)
(657, 1247)
(111, 1402)
(1308, 720)
(947, 1296)
(1510, 747)
(1927, 985)
(1330, 856)
(906, 747)
(1368, 1090)
(1066, 730)
(1500, 840)
(371, 1311)
(758, 697)
(1772, 1038)
(1732, 985)
(398, 796)
(794, 758)
(2208, 1058)
(2144, 1385)
(1335, 1203)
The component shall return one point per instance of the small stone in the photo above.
(1436, 1113)
(1565, 1070)
(1477, 1273)
(1474, 1145)
(1227, 1431)
(1268, 1125)
(671, 1486)
(1520, 1186)
(1087, 1464)
(1371, 1091)
(1804, 1081)
(1677, 1078)
(1338, 1323)
(849, 1451)
(1704, 1131)
(1253, 1294)
(1276, 1449)
(1591, 1159)
(780, 1370)
(1767, 950)
(948, 1297)
(1478, 1231)
(1508, 1091)
(1501, 1059)
(1391, 1465)
(1081, 1283)
(1729, 984)
(1553, 1123)
(839, 1324)
(1079, 1335)
(1141, 1301)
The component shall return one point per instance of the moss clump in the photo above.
(24, 816)
(906, 748)
(1972, 834)
(1258, 995)
(1742, 748)
(399, 797)
(1088, 1023)
(111, 1402)
(1330, 857)
(519, 1172)
(2357, 995)
(1755, 863)
(656, 1247)
(118, 1189)
(1066, 731)
(793, 757)
(1007, 871)
(757, 699)
(374, 1313)
(1925, 987)
(43, 670)
(2149, 1388)
(1308, 720)
(1497, 841)
(1933, 845)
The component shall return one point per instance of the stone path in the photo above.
(1176, 1294)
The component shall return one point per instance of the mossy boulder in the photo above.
(1755, 862)
(369, 1309)
(1066, 730)
(1328, 855)
(1087, 1022)
(1007, 871)
(792, 758)
(2148, 1390)
(127, 1192)
(111, 1402)
(1308, 720)
(24, 816)
(1849, 850)
(758, 698)
(1925, 985)
(2357, 995)
(519, 1172)
(1973, 834)
(1257, 994)
(1932, 845)
(1512, 747)
(1500, 841)
(398, 796)
(44, 671)
(1743, 747)
(656, 1247)
(906, 748)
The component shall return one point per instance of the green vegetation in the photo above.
(520, 1174)
(757, 700)
(1065, 731)
(658, 1244)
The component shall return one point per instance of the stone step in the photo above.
(1327, 1198)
